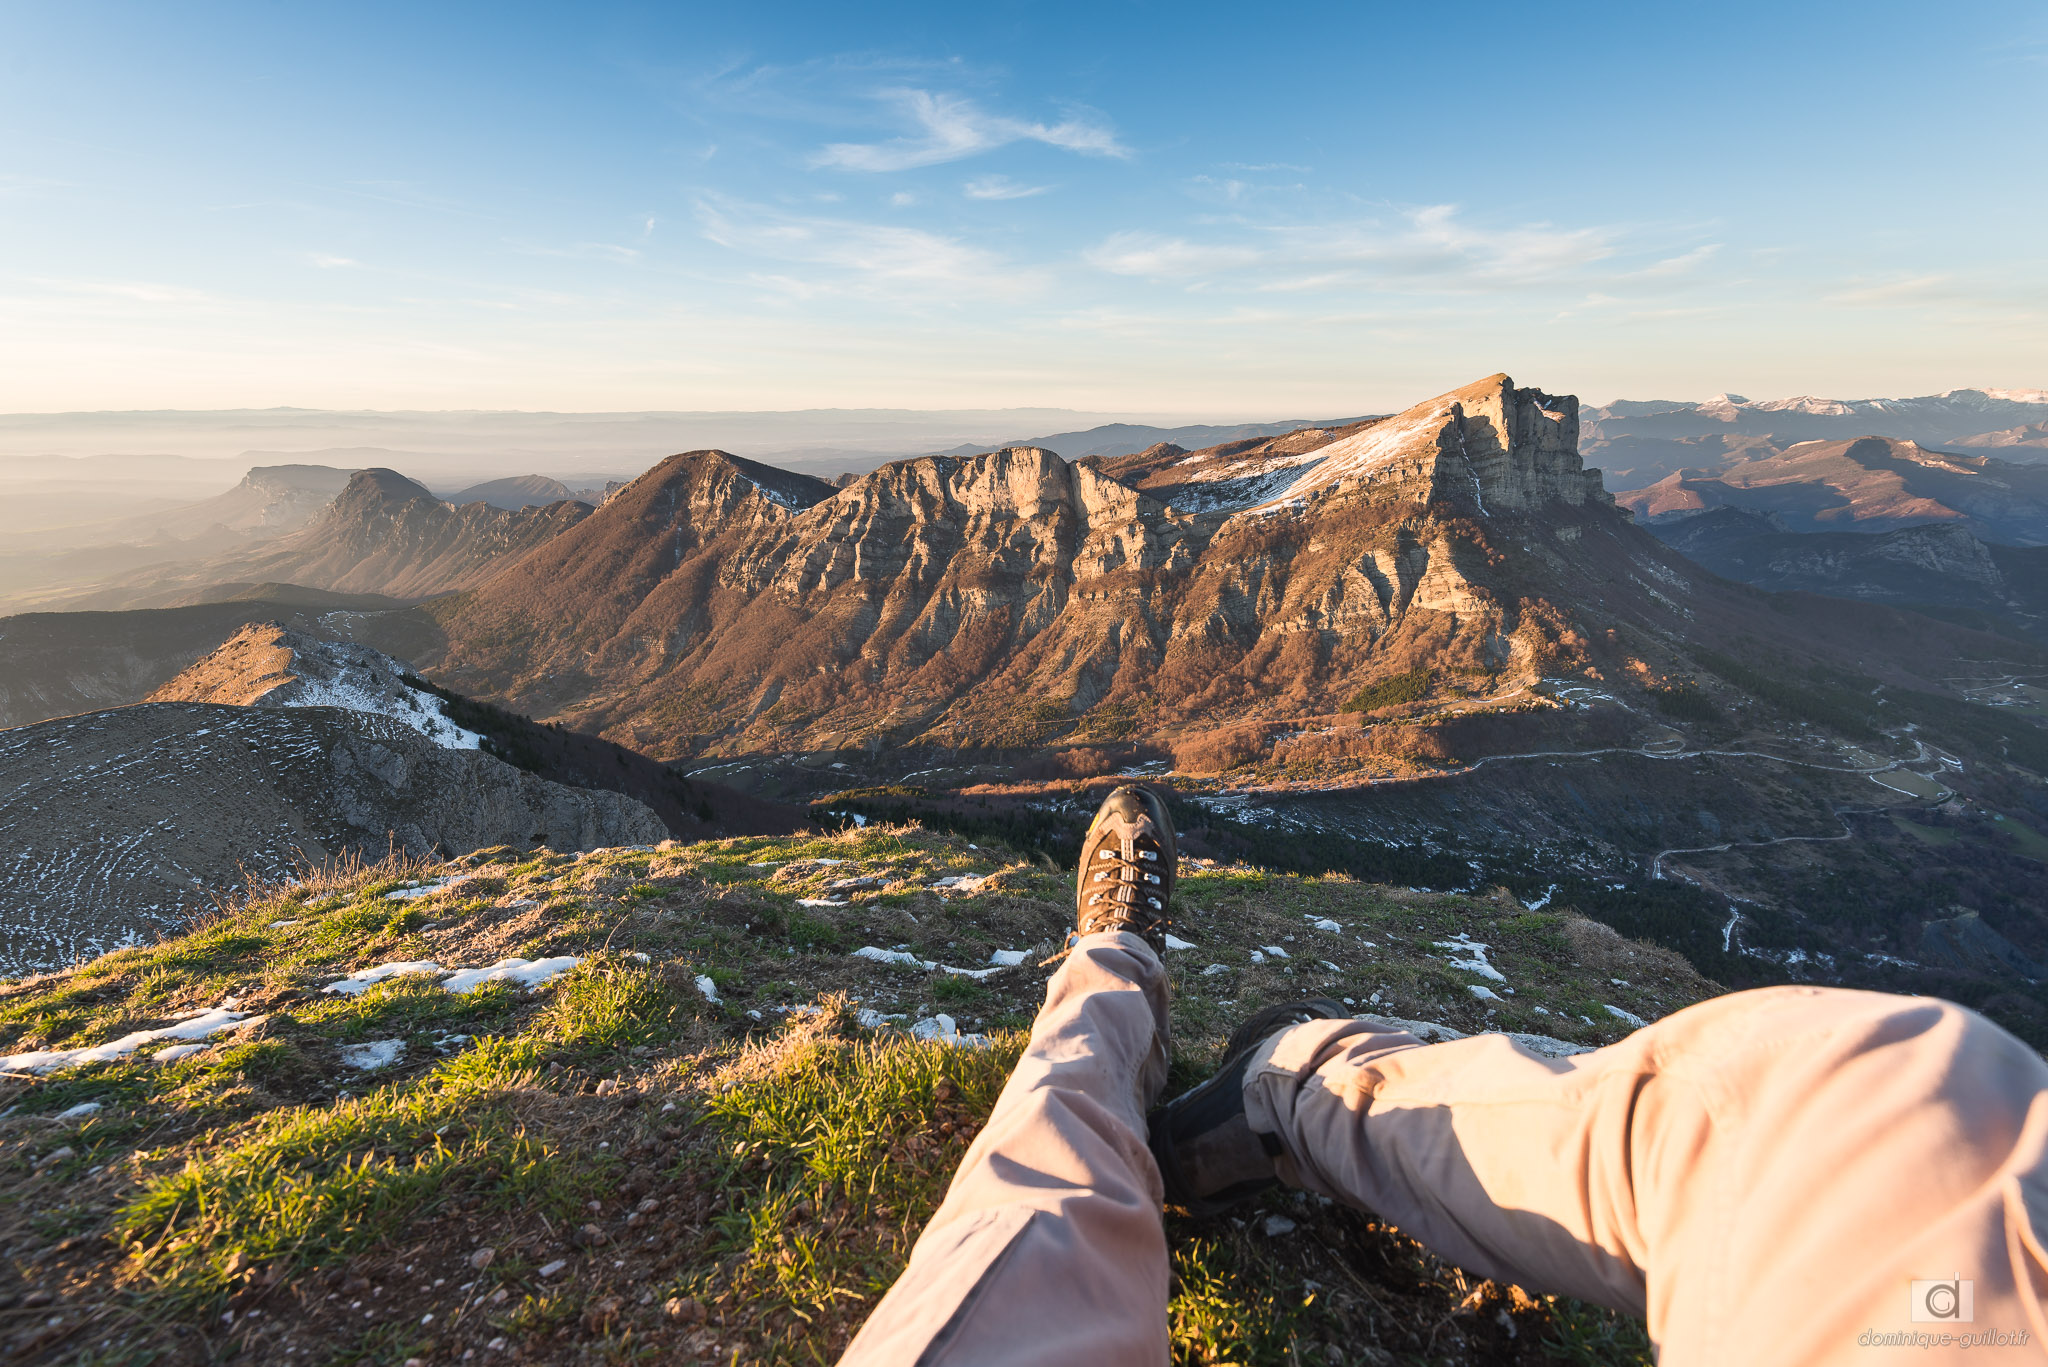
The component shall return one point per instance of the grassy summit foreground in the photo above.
(713, 1136)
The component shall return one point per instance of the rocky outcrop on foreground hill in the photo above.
(1011, 598)
(53, 664)
(270, 665)
(119, 826)
(266, 664)
(384, 534)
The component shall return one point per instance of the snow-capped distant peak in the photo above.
(1804, 403)
(2039, 396)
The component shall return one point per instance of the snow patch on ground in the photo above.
(521, 972)
(198, 1026)
(908, 960)
(357, 983)
(377, 1053)
(946, 1031)
(524, 972)
(1472, 957)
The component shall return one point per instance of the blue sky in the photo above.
(1138, 208)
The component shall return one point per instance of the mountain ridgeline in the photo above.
(1015, 599)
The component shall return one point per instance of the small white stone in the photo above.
(1277, 1225)
(550, 1269)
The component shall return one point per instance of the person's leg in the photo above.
(1048, 1247)
(1764, 1176)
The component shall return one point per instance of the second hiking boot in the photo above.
(1209, 1158)
(1127, 868)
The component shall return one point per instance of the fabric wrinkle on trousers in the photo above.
(1049, 1247)
(1762, 1176)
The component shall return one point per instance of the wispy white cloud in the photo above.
(327, 261)
(1685, 263)
(1430, 246)
(137, 291)
(587, 251)
(1001, 187)
(1918, 289)
(1160, 257)
(952, 127)
(845, 256)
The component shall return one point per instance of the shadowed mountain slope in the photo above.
(121, 825)
(1936, 565)
(1869, 484)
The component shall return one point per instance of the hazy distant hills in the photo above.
(525, 491)
(383, 534)
(1124, 439)
(1642, 441)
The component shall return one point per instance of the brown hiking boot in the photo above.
(1209, 1157)
(1127, 867)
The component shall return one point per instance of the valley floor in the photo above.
(700, 1112)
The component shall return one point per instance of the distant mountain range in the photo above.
(1640, 442)
(382, 529)
(1124, 439)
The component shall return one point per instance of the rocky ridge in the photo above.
(1007, 596)
(266, 664)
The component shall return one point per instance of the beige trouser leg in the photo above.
(1764, 1176)
(1048, 1247)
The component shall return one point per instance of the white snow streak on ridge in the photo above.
(199, 1027)
(1357, 456)
(424, 715)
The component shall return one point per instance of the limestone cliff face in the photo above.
(1006, 597)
